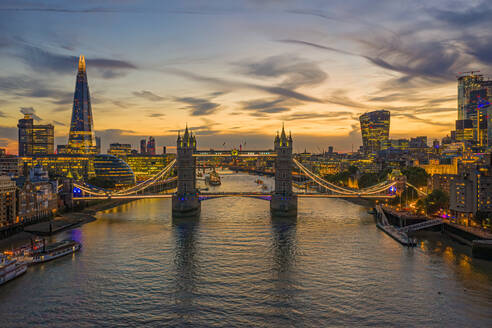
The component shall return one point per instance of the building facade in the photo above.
(8, 213)
(473, 123)
(143, 147)
(471, 191)
(375, 128)
(151, 146)
(37, 196)
(35, 139)
(120, 150)
(114, 169)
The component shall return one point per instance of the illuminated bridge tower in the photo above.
(185, 201)
(284, 201)
(81, 139)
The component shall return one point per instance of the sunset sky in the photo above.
(235, 70)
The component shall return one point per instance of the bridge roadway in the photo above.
(234, 153)
(237, 194)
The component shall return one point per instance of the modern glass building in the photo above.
(35, 139)
(62, 165)
(466, 83)
(375, 130)
(151, 146)
(474, 97)
(112, 168)
(145, 166)
(81, 139)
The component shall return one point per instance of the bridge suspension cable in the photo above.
(134, 189)
(145, 184)
(417, 189)
(340, 190)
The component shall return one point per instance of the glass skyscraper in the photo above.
(474, 97)
(375, 130)
(81, 139)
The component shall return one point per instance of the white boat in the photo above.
(10, 268)
(54, 251)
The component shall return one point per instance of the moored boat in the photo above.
(10, 268)
(26, 249)
(213, 179)
(53, 251)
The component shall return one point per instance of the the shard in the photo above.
(81, 139)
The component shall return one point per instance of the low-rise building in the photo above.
(37, 196)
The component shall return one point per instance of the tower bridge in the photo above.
(187, 198)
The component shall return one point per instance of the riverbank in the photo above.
(65, 221)
(478, 239)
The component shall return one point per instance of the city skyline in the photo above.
(318, 78)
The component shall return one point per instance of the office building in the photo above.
(111, 168)
(10, 165)
(151, 146)
(464, 131)
(418, 142)
(98, 145)
(61, 165)
(143, 147)
(474, 97)
(146, 166)
(35, 139)
(8, 213)
(120, 150)
(471, 191)
(81, 139)
(375, 130)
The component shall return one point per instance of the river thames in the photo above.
(236, 266)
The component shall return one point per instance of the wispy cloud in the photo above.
(40, 59)
(198, 106)
(148, 95)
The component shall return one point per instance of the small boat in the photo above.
(213, 179)
(53, 251)
(10, 268)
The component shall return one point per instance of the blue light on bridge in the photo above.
(77, 192)
(392, 190)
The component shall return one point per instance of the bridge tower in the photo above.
(185, 201)
(284, 201)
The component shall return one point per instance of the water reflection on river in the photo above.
(237, 266)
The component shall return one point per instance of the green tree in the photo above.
(435, 201)
(416, 176)
(368, 179)
(101, 182)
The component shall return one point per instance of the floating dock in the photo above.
(397, 235)
(392, 231)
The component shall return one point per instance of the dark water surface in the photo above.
(236, 266)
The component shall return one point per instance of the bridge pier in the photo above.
(185, 202)
(284, 201)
